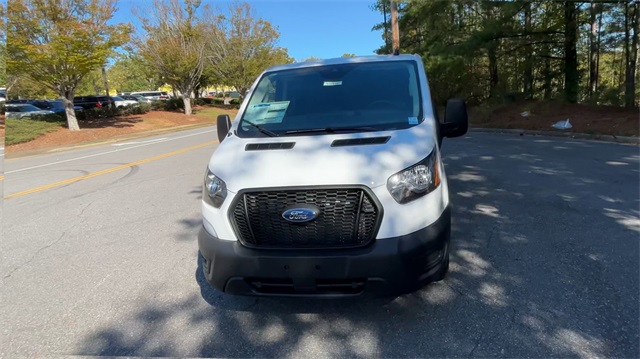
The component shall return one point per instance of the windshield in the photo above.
(354, 96)
(116, 98)
(56, 104)
(28, 108)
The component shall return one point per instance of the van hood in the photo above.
(314, 161)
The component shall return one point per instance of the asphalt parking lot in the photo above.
(99, 257)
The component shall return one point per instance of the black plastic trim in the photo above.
(241, 193)
(269, 146)
(393, 265)
(360, 141)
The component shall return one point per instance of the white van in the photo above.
(152, 95)
(330, 182)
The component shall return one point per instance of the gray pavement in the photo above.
(545, 262)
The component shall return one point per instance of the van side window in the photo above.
(265, 92)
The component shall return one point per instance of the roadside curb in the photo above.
(131, 136)
(121, 138)
(582, 136)
(136, 135)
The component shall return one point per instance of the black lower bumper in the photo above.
(387, 266)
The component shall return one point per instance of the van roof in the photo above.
(345, 60)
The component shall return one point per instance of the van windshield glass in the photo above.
(351, 97)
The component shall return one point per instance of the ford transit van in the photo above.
(330, 182)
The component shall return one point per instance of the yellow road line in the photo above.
(1, 178)
(108, 170)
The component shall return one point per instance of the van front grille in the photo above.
(348, 217)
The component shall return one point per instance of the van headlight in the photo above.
(215, 190)
(415, 181)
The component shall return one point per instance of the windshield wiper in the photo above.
(262, 130)
(333, 130)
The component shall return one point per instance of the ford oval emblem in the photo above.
(302, 213)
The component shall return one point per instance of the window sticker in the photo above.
(332, 83)
(413, 120)
(264, 113)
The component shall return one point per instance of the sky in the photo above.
(324, 29)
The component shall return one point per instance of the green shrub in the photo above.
(95, 113)
(135, 109)
(218, 102)
(610, 96)
(174, 104)
(107, 112)
(201, 101)
(145, 107)
(157, 105)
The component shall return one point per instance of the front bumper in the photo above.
(386, 266)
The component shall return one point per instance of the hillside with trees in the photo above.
(496, 51)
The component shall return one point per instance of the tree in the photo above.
(244, 47)
(631, 52)
(528, 48)
(383, 6)
(208, 78)
(522, 49)
(175, 42)
(24, 87)
(91, 84)
(571, 74)
(594, 44)
(131, 73)
(3, 47)
(310, 59)
(57, 43)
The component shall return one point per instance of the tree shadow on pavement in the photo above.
(115, 122)
(543, 263)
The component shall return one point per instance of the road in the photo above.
(99, 257)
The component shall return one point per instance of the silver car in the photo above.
(152, 95)
(23, 110)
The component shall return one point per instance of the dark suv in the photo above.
(57, 106)
(89, 102)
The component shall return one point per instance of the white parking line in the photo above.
(138, 142)
(107, 152)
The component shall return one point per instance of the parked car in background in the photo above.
(23, 110)
(137, 98)
(55, 106)
(17, 101)
(152, 95)
(3, 94)
(121, 102)
(89, 102)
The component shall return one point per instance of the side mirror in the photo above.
(456, 120)
(224, 124)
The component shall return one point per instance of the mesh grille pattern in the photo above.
(348, 218)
